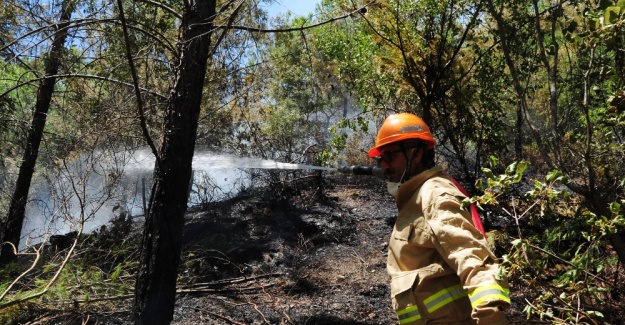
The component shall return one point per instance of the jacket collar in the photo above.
(407, 189)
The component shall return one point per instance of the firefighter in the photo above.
(440, 266)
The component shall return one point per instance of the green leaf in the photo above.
(506, 258)
(510, 170)
(488, 172)
(493, 161)
(518, 177)
(522, 166)
(611, 15)
(615, 207)
(117, 272)
(553, 175)
(595, 313)
(502, 273)
(479, 184)
(537, 184)
(465, 204)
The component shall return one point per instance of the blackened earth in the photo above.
(311, 253)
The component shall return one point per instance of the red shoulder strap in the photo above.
(475, 216)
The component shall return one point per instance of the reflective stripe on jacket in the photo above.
(441, 268)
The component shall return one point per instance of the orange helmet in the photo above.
(402, 126)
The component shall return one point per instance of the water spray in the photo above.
(226, 161)
(134, 169)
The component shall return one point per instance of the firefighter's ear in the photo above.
(417, 154)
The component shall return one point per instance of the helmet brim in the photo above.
(376, 152)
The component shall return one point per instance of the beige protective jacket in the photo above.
(441, 269)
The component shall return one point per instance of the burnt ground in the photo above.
(312, 254)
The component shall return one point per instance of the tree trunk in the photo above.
(619, 246)
(162, 239)
(17, 208)
(518, 134)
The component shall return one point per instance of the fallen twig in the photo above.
(52, 281)
(37, 254)
(211, 290)
(231, 321)
(231, 281)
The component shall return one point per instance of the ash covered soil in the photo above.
(314, 253)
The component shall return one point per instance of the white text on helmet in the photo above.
(411, 128)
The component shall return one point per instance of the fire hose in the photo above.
(362, 170)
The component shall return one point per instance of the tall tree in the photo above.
(15, 217)
(162, 240)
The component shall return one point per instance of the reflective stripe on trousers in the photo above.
(493, 292)
(432, 303)
(408, 315)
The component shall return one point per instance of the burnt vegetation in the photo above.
(311, 252)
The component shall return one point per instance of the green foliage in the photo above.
(282, 124)
(605, 225)
(558, 251)
(18, 314)
(105, 267)
(14, 106)
(499, 185)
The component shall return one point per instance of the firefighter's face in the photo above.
(393, 161)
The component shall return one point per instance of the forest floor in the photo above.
(315, 254)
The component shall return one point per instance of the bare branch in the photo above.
(162, 6)
(161, 39)
(296, 29)
(135, 80)
(78, 75)
(37, 253)
(51, 282)
(225, 30)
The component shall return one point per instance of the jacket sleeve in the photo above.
(465, 250)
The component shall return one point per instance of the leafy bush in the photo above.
(558, 249)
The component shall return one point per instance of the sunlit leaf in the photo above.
(611, 15)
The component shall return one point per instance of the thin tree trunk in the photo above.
(518, 128)
(552, 71)
(590, 190)
(520, 91)
(17, 208)
(162, 240)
